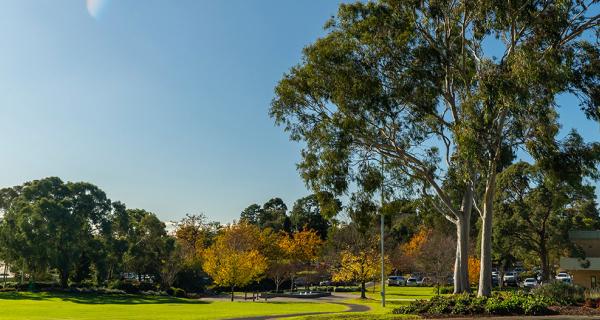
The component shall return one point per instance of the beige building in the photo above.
(585, 272)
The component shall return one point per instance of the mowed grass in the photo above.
(402, 293)
(395, 297)
(34, 306)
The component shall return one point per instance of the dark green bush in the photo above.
(465, 304)
(444, 290)
(560, 293)
(176, 292)
(132, 286)
(536, 306)
(505, 304)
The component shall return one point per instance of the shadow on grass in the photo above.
(92, 298)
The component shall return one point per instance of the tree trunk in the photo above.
(292, 284)
(64, 278)
(544, 262)
(463, 227)
(232, 288)
(363, 290)
(485, 271)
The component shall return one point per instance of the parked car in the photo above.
(564, 277)
(325, 283)
(412, 281)
(518, 270)
(510, 278)
(425, 281)
(396, 281)
(530, 283)
(495, 281)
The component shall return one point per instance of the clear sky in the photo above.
(163, 104)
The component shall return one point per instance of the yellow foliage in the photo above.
(303, 246)
(474, 265)
(361, 267)
(234, 259)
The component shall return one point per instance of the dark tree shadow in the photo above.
(93, 298)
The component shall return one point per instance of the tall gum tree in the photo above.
(411, 82)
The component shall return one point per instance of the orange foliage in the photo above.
(413, 247)
(474, 265)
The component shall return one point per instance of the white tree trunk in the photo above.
(463, 226)
(461, 263)
(485, 271)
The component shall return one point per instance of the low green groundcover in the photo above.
(465, 304)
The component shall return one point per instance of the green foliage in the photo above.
(539, 203)
(465, 304)
(306, 213)
(445, 289)
(176, 292)
(560, 293)
(132, 286)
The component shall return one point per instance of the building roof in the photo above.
(584, 235)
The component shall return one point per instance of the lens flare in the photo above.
(96, 7)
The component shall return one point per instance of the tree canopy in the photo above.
(412, 83)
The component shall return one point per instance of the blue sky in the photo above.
(163, 104)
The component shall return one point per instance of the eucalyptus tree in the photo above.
(52, 224)
(538, 204)
(306, 214)
(442, 91)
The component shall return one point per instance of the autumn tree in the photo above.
(303, 248)
(361, 267)
(412, 83)
(234, 259)
(279, 248)
(474, 266)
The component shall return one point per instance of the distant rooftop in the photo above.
(585, 235)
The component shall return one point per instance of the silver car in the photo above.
(396, 281)
(530, 283)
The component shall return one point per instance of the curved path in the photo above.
(351, 308)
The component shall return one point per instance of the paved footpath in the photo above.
(351, 308)
(335, 298)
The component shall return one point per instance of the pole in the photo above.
(382, 242)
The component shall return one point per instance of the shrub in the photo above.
(508, 304)
(560, 293)
(176, 292)
(536, 306)
(132, 286)
(466, 304)
(444, 290)
(110, 291)
(345, 289)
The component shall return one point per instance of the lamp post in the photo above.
(382, 225)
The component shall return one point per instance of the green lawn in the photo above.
(396, 296)
(402, 293)
(32, 306)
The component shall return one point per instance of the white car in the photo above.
(510, 278)
(530, 283)
(412, 281)
(564, 277)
